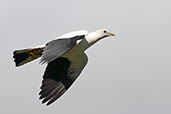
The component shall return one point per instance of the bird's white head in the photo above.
(93, 37)
(104, 33)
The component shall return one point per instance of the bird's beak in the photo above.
(111, 34)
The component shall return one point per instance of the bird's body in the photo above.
(66, 59)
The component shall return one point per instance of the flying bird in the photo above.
(65, 57)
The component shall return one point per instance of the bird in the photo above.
(65, 58)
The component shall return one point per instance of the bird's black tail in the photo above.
(26, 55)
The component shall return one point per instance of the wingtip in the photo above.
(44, 101)
(40, 97)
(48, 104)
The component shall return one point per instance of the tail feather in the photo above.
(26, 55)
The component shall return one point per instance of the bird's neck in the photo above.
(89, 40)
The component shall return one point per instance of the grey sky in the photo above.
(128, 74)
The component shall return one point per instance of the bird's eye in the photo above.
(104, 31)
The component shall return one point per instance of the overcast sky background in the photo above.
(128, 74)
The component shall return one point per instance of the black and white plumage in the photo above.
(66, 59)
(57, 48)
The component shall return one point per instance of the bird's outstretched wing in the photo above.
(57, 48)
(58, 77)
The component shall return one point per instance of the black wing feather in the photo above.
(55, 80)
